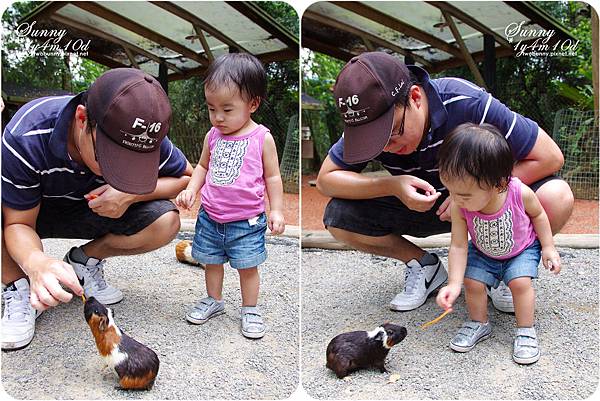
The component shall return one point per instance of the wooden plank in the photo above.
(384, 19)
(325, 48)
(131, 57)
(204, 43)
(141, 30)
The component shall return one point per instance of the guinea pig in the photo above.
(355, 350)
(135, 364)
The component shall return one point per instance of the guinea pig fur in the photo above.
(135, 364)
(355, 350)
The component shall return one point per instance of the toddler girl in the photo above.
(238, 162)
(507, 226)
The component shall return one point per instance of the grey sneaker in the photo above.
(526, 349)
(205, 309)
(91, 277)
(252, 322)
(419, 282)
(18, 320)
(469, 335)
(502, 298)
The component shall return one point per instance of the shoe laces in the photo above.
(504, 291)
(97, 275)
(15, 305)
(412, 278)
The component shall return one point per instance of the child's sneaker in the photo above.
(252, 322)
(205, 309)
(469, 335)
(526, 349)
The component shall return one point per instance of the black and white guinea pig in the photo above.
(135, 364)
(355, 350)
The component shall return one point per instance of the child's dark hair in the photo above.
(479, 151)
(243, 70)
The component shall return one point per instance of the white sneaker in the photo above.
(18, 320)
(91, 278)
(419, 282)
(502, 298)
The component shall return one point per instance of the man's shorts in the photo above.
(386, 215)
(490, 271)
(241, 243)
(74, 219)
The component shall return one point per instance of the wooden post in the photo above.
(489, 62)
(465, 52)
(163, 77)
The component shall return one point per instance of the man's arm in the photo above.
(336, 182)
(544, 159)
(113, 203)
(45, 273)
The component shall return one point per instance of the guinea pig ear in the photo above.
(103, 323)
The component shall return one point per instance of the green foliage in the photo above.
(53, 72)
(283, 13)
(319, 73)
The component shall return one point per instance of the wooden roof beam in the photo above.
(194, 20)
(363, 34)
(463, 48)
(324, 48)
(111, 38)
(397, 25)
(265, 21)
(467, 19)
(126, 23)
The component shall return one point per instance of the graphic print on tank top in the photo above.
(495, 237)
(226, 161)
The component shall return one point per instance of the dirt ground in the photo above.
(584, 219)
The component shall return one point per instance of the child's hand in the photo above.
(551, 259)
(447, 295)
(186, 199)
(276, 222)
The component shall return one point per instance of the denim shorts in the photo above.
(491, 271)
(240, 243)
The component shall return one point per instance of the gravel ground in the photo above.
(349, 290)
(211, 361)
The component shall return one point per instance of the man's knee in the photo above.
(557, 200)
(166, 226)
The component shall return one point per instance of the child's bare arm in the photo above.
(457, 259)
(541, 225)
(274, 185)
(187, 197)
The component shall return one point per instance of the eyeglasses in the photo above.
(401, 130)
(94, 145)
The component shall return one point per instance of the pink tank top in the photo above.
(234, 188)
(507, 232)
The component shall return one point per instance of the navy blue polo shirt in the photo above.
(35, 161)
(452, 101)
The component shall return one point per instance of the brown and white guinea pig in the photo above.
(183, 253)
(135, 364)
(355, 350)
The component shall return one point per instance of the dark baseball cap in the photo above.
(365, 93)
(132, 114)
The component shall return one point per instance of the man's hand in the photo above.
(45, 280)
(407, 191)
(447, 295)
(551, 259)
(186, 199)
(276, 222)
(444, 210)
(108, 202)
